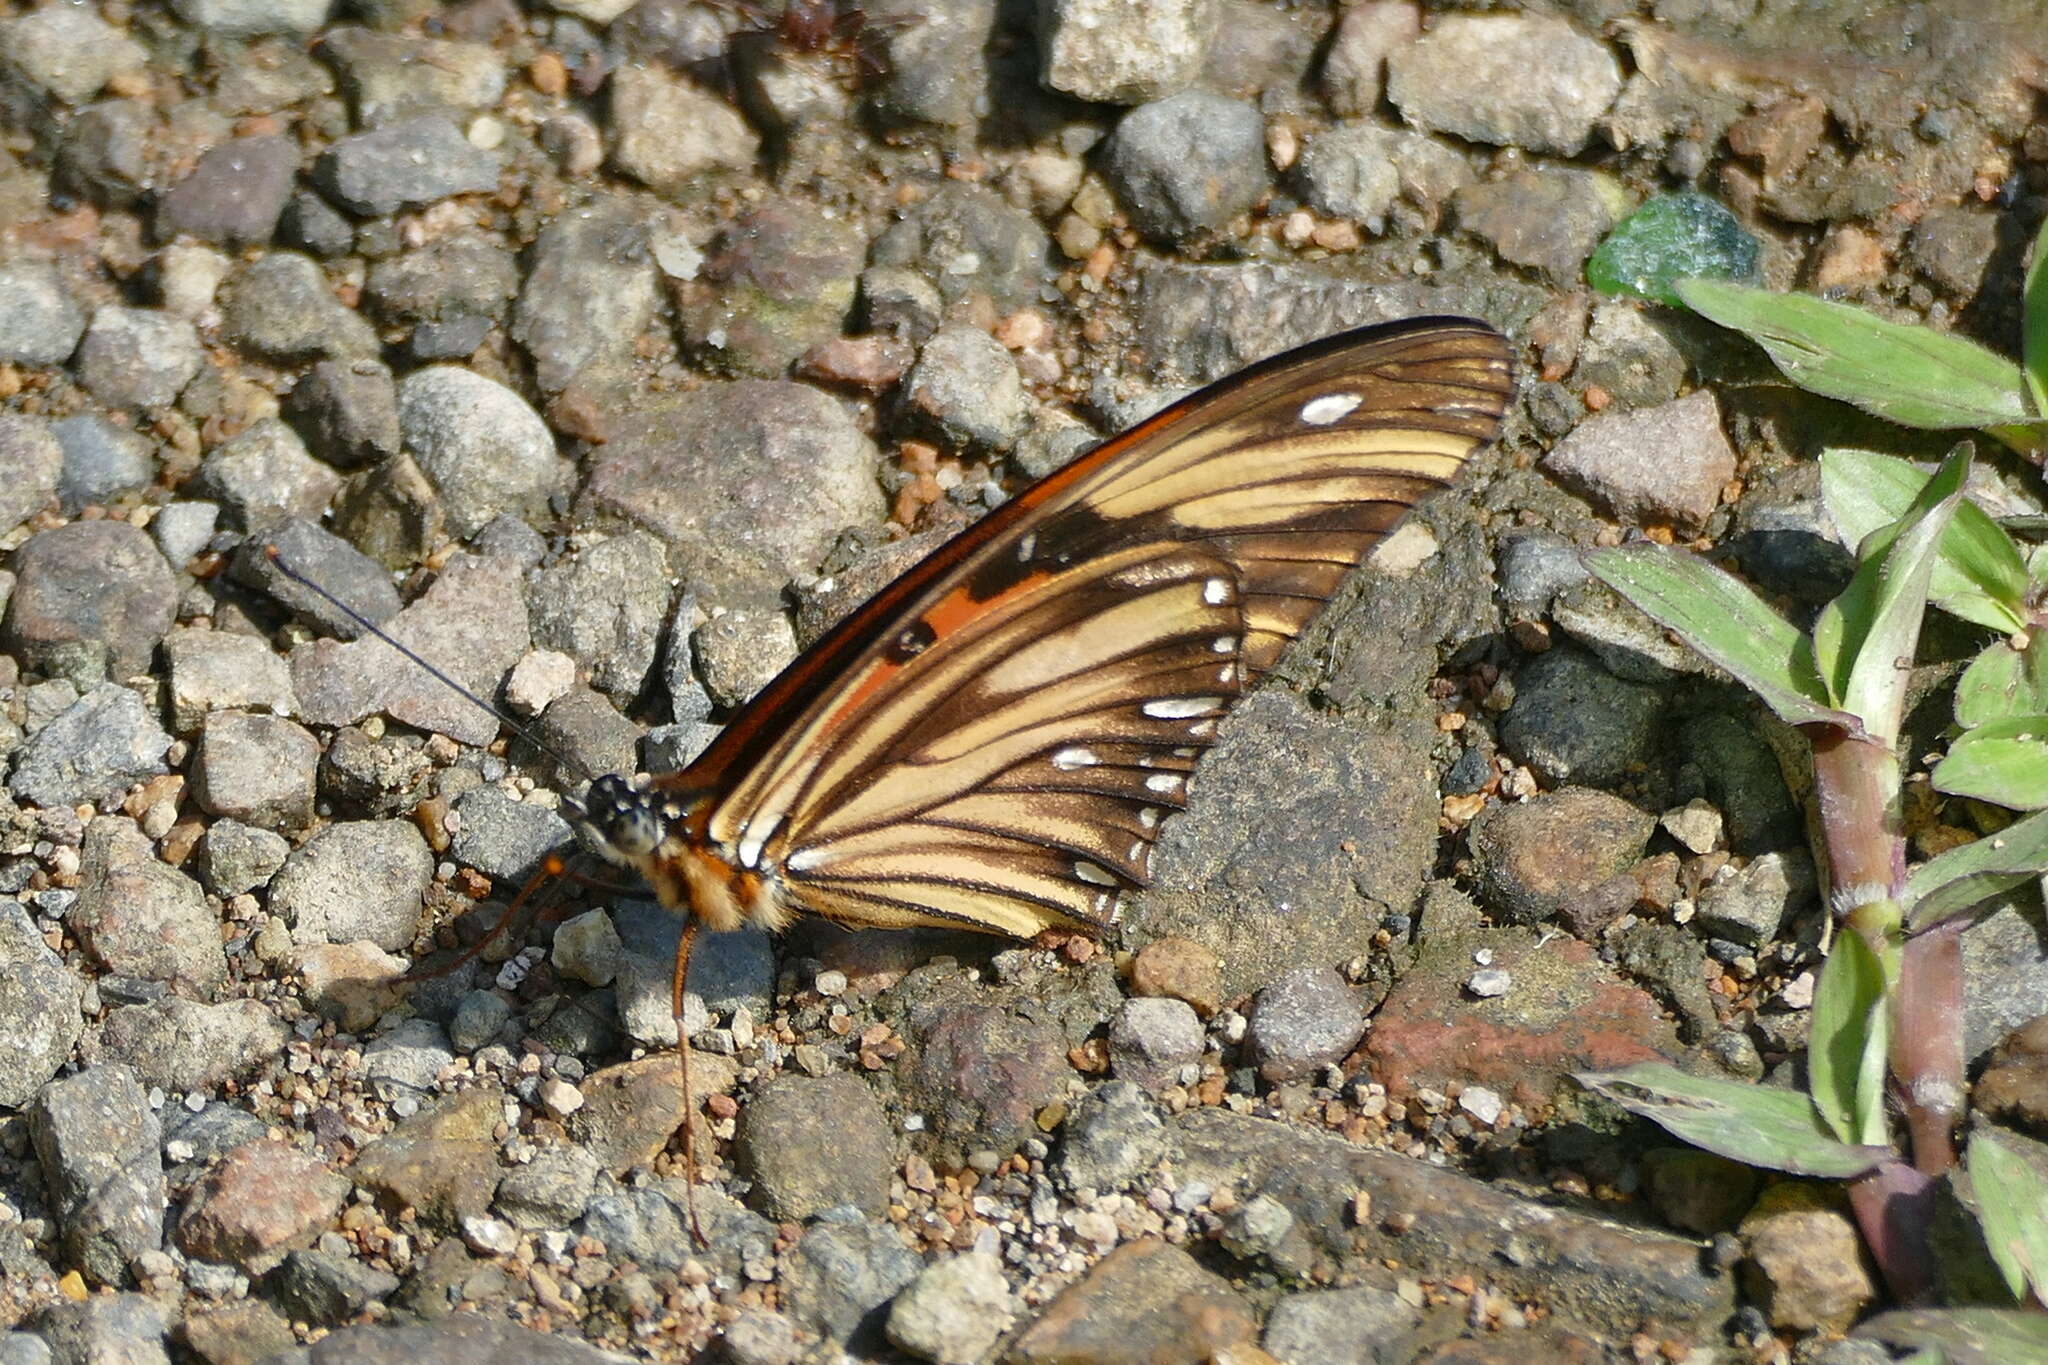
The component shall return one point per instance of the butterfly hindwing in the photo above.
(993, 741)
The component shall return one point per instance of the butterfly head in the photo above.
(625, 823)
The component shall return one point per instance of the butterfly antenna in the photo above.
(370, 627)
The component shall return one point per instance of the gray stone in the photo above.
(1665, 465)
(478, 1021)
(182, 529)
(750, 483)
(312, 1286)
(184, 1046)
(727, 972)
(118, 1329)
(939, 69)
(235, 194)
(104, 154)
(739, 652)
(1751, 904)
(96, 1140)
(550, 1191)
(1548, 218)
(586, 948)
(138, 357)
(264, 476)
(101, 744)
(346, 412)
(1573, 721)
(234, 857)
(1357, 1326)
(605, 607)
(672, 748)
(966, 240)
(218, 670)
(1184, 166)
(407, 1059)
(839, 1278)
(667, 133)
(1355, 64)
(404, 165)
(1628, 352)
(1110, 1139)
(966, 386)
(390, 76)
(141, 917)
(1307, 1019)
(39, 1008)
(1263, 869)
(1535, 566)
(68, 51)
(814, 1143)
(335, 565)
(43, 322)
(503, 837)
(485, 451)
(1113, 53)
(1348, 172)
(1512, 80)
(34, 460)
(357, 879)
(954, 1311)
(447, 284)
(102, 460)
(1152, 1039)
(590, 291)
(280, 307)
(776, 283)
(256, 769)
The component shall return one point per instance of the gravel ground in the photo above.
(604, 353)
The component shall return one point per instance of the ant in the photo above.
(845, 31)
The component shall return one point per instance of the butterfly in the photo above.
(993, 741)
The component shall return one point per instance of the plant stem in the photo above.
(1927, 1046)
(1892, 1205)
(1856, 787)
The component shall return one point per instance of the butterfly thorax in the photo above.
(663, 836)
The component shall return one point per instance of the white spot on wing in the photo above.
(1089, 872)
(1180, 708)
(1331, 407)
(804, 860)
(1066, 760)
(759, 830)
(1202, 729)
(1149, 817)
(1216, 591)
(1027, 546)
(1227, 673)
(1137, 852)
(1224, 644)
(1163, 782)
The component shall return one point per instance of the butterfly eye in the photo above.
(623, 818)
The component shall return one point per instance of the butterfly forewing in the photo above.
(993, 741)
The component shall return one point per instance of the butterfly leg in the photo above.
(676, 986)
(551, 869)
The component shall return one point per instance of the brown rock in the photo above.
(1181, 969)
(1564, 854)
(442, 1162)
(1145, 1301)
(1805, 1260)
(262, 1200)
(630, 1111)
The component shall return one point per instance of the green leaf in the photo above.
(2034, 321)
(1959, 880)
(1719, 616)
(1914, 376)
(1670, 237)
(2004, 762)
(1849, 1026)
(1863, 641)
(2012, 1208)
(2003, 682)
(1757, 1125)
(1978, 576)
(1967, 1336)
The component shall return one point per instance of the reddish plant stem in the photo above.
(1856, 787)
(1892, 1205)
(1927, 1043)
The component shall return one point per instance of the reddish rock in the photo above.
(1564, 1010)
(262, 1200)
(1181, 969)
(1144, 1301)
